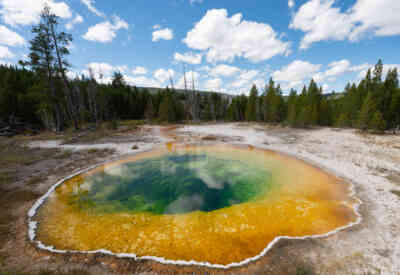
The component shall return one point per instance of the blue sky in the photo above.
(225, 45)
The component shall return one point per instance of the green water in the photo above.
(172, 184)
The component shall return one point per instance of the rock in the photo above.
(209, 137)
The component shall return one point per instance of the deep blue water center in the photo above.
(172, 184)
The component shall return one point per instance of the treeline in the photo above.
(373, 104)
(23, 95)
(38, 92)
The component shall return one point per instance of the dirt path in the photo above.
(371, 163)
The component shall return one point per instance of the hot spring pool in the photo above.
(217, 205)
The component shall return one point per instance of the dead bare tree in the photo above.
(92, 97)
(193, 100)
(171, 81)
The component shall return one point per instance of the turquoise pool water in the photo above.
(172, 184)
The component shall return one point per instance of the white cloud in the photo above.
(142, 81)
(380, 16)
(300, 72)
(291, 3)
(321, 20)
(166, 34)
(103, 74)
(156, 27)
(337, 68)
(106, 31)
(361, 67)
(105, 70)
(5, 52)
(139, 70)
(10, 38)
(319, 77)
(195, 1)
(72, 75)
(224, 70)
(90, 5)
(325, 88)
(260, 83)
(295, 73)
(26, 12)
(101, 68)
(228, 37)
(122, 69)
(163, 75)
(5, 63)
(191, 76)
(249, 75)
(245, 79)
(213, 84)
(190, 58)
(77, 20)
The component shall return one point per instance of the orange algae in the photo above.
(307, 202)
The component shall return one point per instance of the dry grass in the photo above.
(394, 178)
(104, 130)
(48, 272)
(36, 180)
(396, 192)
(6, 177)
(64, 154)
(20, 162)
(294, 269)
(14, 153)
(101, 152)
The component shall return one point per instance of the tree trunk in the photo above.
(71, 107)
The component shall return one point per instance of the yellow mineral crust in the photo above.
(307, 202)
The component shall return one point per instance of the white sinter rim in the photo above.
(32, 226)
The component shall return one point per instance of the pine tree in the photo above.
(390, 89)
(48, 49)
(292, 111)
(167, 110)
(395, 110)
(117, 80)
(42, 62)
(178, 108)
(251, 113)
(378, 71)
(208, 112)
(325, 113)
(270, 108)
(150, 112)
(366, 112)
(304, 119)
(314, 96)
(343, 120)
(377, 123)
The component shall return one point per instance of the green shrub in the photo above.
(304, 270)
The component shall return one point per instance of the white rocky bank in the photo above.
(366, 162)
